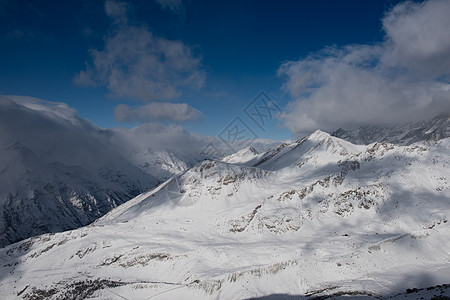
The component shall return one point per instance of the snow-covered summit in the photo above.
(242, 156)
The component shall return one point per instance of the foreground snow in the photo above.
(317, 217)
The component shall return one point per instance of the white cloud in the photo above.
(418, 37)
(159, 137)
(176, 112)
(116, 11)
(137, 64)
(403, 79)
(174, 5)
(55, 132)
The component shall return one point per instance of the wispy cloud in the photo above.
(117, 11)
(136, 64)
(402, 79)
(174, 5)
(176, 112)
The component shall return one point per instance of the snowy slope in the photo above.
(315, 217)
(433, 130)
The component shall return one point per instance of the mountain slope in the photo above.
(433, 130)
(315, 217)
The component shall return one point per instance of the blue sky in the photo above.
(226, 53)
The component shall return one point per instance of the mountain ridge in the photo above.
(320, 216)
(432, 130)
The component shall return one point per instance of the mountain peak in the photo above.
(242, 156)
(319, 135)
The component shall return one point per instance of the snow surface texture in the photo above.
(315, 218)
(434, 130)
(60, 172)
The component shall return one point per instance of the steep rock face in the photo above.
(316, 217)
(54, 197)
(433, 130)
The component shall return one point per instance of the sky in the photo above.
(266, 69)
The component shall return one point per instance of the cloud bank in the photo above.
(405, 78)
(136, 64)
(54, 133)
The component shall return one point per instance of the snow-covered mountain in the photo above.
(433, 130)
(314, 218)
(59, 171)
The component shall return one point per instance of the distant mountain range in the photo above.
(433, 130)
(316, 218)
